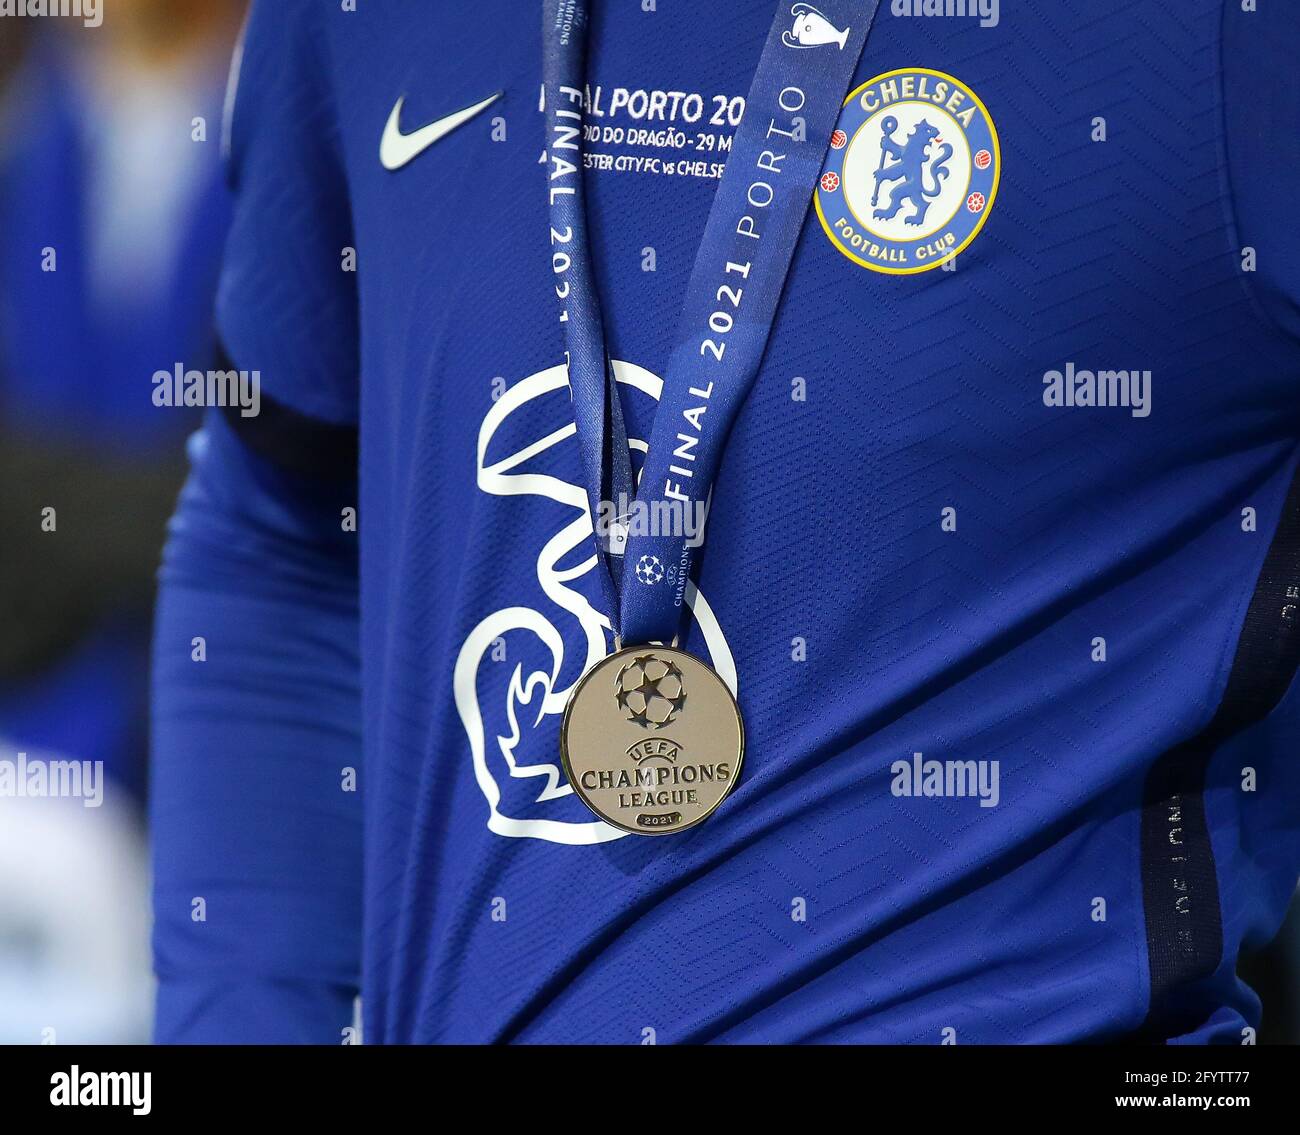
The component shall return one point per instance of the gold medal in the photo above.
(652, 740)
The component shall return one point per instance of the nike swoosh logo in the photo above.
(396, 148)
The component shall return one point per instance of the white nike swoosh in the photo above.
(396, 148)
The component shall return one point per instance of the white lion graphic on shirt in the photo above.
(526, 744)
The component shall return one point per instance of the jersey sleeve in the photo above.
(255, 754)
(287, 299)
(255, 807)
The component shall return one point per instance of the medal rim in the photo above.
(564, 747)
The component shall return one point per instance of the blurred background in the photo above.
(112, 218)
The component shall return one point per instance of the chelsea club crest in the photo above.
(911, 173)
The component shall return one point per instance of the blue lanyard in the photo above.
(735, 286)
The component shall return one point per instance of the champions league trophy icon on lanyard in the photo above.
(812, 29)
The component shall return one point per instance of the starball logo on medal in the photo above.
(911, 174)
(652, 740)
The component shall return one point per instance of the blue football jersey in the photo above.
(1002, 563)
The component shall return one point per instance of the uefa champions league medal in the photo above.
(652, 739)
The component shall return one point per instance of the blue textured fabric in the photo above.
(859, 630)
(254, 798)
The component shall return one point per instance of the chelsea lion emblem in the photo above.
(911, 173)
